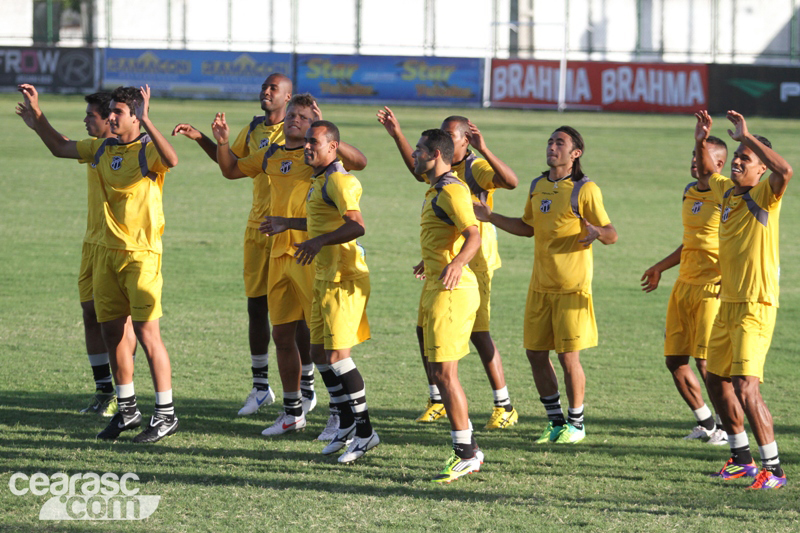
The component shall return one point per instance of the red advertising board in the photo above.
(642, 87)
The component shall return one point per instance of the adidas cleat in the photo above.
(733, 470)
(457, 467)
(766, 480)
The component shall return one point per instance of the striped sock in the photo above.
(292, 403)
(353, 387)
(307, 381)
(575, 416)
(501, 399)
(101, 371)
(552, 405)
(260, 369)
(338, 402)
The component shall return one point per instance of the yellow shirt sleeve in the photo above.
(456, 201)
(718, 185)
(345, 191)
(764, 196)
(154, 162)
(87, 148)
(239, 146)
(591, 207)
(483, 173)
(251, 165)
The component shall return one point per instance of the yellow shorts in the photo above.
(560, 322)
(88, 257)
(256, 262)
(127, 283)
(448, 320)
(289, 290)
(339, 313)
(740, 339)
(485, 289)
(690, 315)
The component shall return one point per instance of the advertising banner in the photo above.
(754, 90)
(641, 87)
(422, 80)
(66, 70)
(193, 73)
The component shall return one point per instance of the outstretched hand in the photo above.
(143, 108)
(703, 128)
(26, 114)
(740, 133)
(389, 121)
(650, 279)
(220, 129)
(187, 130)
(31, 96)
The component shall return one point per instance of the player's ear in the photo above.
(577, 153)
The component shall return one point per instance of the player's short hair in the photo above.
(101, 100)
(577, 144)
(462, 122)
(302, 100)
(130, 96)
(331, 131)
(716, 141)
(438, 139)
(763, 140)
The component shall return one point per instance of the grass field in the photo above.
(632, 473)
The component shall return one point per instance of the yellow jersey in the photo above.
(254, 137)
(95, 219)
(748, 243)
(288, 178)
(700, 254)
(478, 174)
(556, 211)
(333, 193)
(446, 213)
(131, 177)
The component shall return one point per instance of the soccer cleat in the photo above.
(502, 419)
(359, 447)
(733, 470)
(341, 439)
(118, 424)
(455, 467)
(309, 403)
(699, 432)
(255, 400)
(103, 404)
(550, 433)
(284, 424)
(718, 437)
(433, 411)
(160, 426)
(330, 428)
(569, 434)
(766, 480)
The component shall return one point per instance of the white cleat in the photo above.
(255, 400)
(699, 432)
(718, 437)
(330, 428)
(359, 447)
(341, 439)
(285, 424)
(309, 403)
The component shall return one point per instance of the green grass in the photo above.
(632, 473)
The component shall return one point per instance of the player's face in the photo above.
(298, 120)
(96, 126)
(275, 93)
(121, 119)
(318, 152)
(746, 167)
(423, 159)
(460, 141)
(560, 151)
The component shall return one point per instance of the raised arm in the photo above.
(389, 120)
(514, 226)
(206, 143)
(59, 145)
(652, 275)
(168, 154)
(703, 156)
(781, 170)
(226, 160)
(352, 158)
(504, 177)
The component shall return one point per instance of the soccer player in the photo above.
(104, 401)
(341, 285)
(449, 238)
(750, 262)
(565, 215)
(263, 131)
(289, 285)
(694, 300)
(483, 176)
(127, 278)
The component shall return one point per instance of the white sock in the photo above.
(163, 398)
(436, 396)
(98, 359)
(259, 361)
(501, 398)
(739, 440)
(703, 413)
(125, 391)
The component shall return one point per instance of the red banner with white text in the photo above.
(640, 87)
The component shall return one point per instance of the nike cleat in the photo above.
(433, 411)
(569, 434)
(455, 467)
(359, 447)
(550, 433)
(733, 470)
(255, 400)
(331, 428)
(285, 424)
(118, 424)
(502, 419)
(766, 480)
(160, 426)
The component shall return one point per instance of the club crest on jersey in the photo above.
(286, 166)
(310, 192)
(116, 162)
(263, 143)
(545, 206)
(726, 213)
(696, 207)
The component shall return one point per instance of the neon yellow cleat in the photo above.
(569, 434)
(433, 411)
(550, 433)
(502, 419)
(457, 467)
(103, 404)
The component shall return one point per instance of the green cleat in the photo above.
(569, 434)
(457, 467)
(549, 434)
(103, 404)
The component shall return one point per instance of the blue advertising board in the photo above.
(193, 73)
(431, 80)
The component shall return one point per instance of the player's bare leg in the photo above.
(503, 414)
(289, 368)
(434, 409)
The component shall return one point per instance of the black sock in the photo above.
(742, 455)
(127, 408)
(708, 423)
